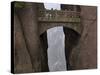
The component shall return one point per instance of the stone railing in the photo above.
(59, 16)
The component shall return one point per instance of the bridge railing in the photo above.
(59, 16)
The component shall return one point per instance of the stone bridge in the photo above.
(52, 18)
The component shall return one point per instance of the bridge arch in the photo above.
(74, 26)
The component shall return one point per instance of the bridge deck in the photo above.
(58, 16)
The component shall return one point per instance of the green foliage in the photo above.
(19, 4)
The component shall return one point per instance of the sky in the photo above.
(52, 5)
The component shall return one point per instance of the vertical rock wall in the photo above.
(71, 40)
(44, 48)
(21, 57)
(28, 20)
(84, 55)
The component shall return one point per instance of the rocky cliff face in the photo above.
(84, 55)
(21, 57)
(29, 29)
